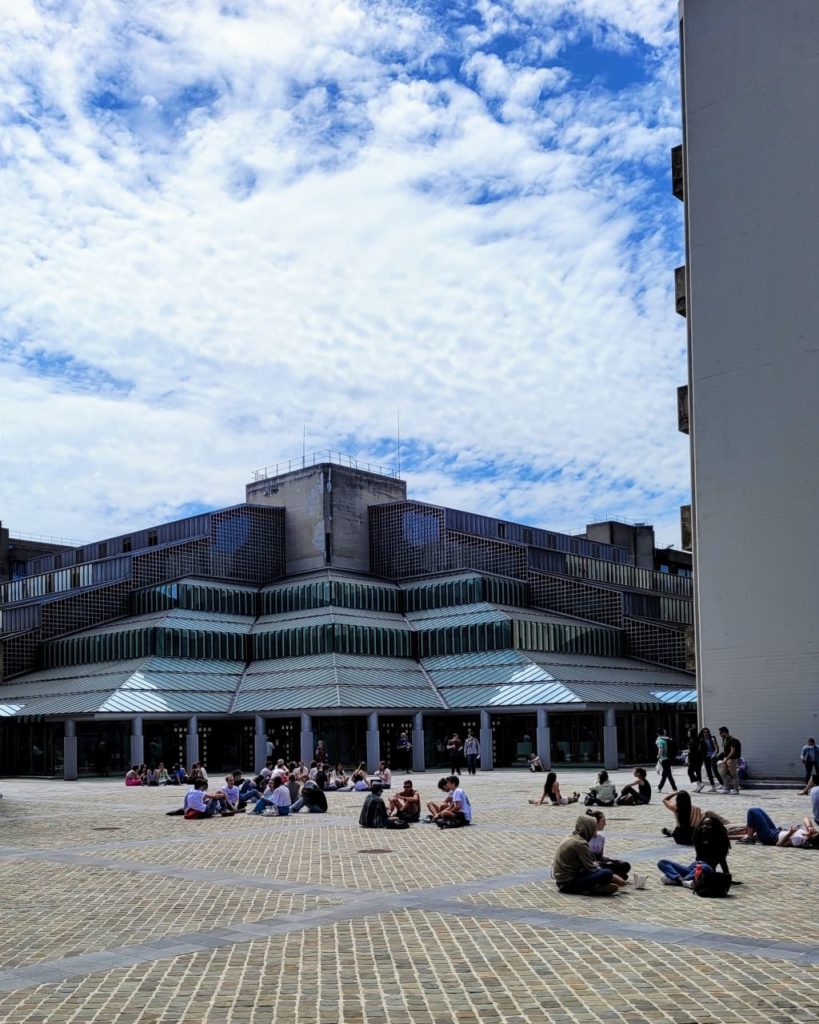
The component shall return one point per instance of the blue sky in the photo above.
(226, 221)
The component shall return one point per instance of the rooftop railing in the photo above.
(317, 459)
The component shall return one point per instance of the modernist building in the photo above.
(329, 606)
(747, 174)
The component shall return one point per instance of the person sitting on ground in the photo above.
(535, 763)
(276, 798)
(163, 779)
(384, 775)
(597, 843)
(248, 790)
(311, 773)
(711, 846)
(197, 772)
(294, 788)
(339, 777)
(575, 870)
(199, 803)
(359, 781)
(637, 792)
(312, 797)
(177, 775)
(456, 810)
(551, 792)
(233, 796)
(406, 805)
(321, 778)
(374, 810)
(132, 776)
(152, 777)
(759, 827)
(603, 792)
(686, 815)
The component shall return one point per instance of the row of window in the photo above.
(471, 590)
(196, 597)
(327, 593)
(89, 574)
(341, 637)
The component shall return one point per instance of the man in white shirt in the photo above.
(276, 796)
(456, 810)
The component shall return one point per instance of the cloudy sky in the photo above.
(226, 222)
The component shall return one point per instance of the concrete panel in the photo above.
(750, 83)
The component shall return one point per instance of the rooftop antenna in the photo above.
(398, 438)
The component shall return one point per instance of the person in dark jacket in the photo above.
(312, 797)
(374, 810)
(575, 870)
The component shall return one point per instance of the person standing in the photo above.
(455, 750)
(472, 749)
(809, 759)
(664, 760)
(729, 763)
(404, 751)
(710, 757)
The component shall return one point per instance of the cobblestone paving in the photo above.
(113, 912)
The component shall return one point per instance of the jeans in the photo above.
(297, 805)
(763, 826)
(809, 768)
(248, 795)
(695, 771)
(679, 872)
(711, 769)
(586, 881)
(472, 763)
(666, 766)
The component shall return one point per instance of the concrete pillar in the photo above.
(306, 737)
(260, 743)
(487, 762)
(418, 757)
(137, 741)
(610, 758)
(70, 751)
(543, 738)
(373, 742)
(192, 741)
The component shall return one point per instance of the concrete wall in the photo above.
(327, 520)
(750, 88)
(638, 540)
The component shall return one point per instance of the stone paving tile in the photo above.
(86, 909)
(448, 927)
(418, 967)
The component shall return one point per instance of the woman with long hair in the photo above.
(710, 753)
(686, 816)
(551, 792)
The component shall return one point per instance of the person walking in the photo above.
(472, 750)
(455, 750)
(664, 753)
(696, 756)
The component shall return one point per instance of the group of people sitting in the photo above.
(581, 867)
(603, 793)
(404, 809)
(273, 791)
(327, 778)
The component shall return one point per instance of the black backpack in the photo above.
(712, 884)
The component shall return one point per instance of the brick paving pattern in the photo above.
(113, 912)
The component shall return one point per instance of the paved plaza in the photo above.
(113, 912)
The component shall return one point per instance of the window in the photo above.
(502, 531)
(152, 538)
(527, 535)
(102, 549)
(126, 544)
(58, 561)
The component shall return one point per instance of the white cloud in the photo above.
(282, 218)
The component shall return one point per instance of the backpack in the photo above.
(712, 883)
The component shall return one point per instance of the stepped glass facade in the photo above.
(330, 607)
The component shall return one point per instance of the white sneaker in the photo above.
(670, 881)
(700, 786)
(720, 789)
(688, 884)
